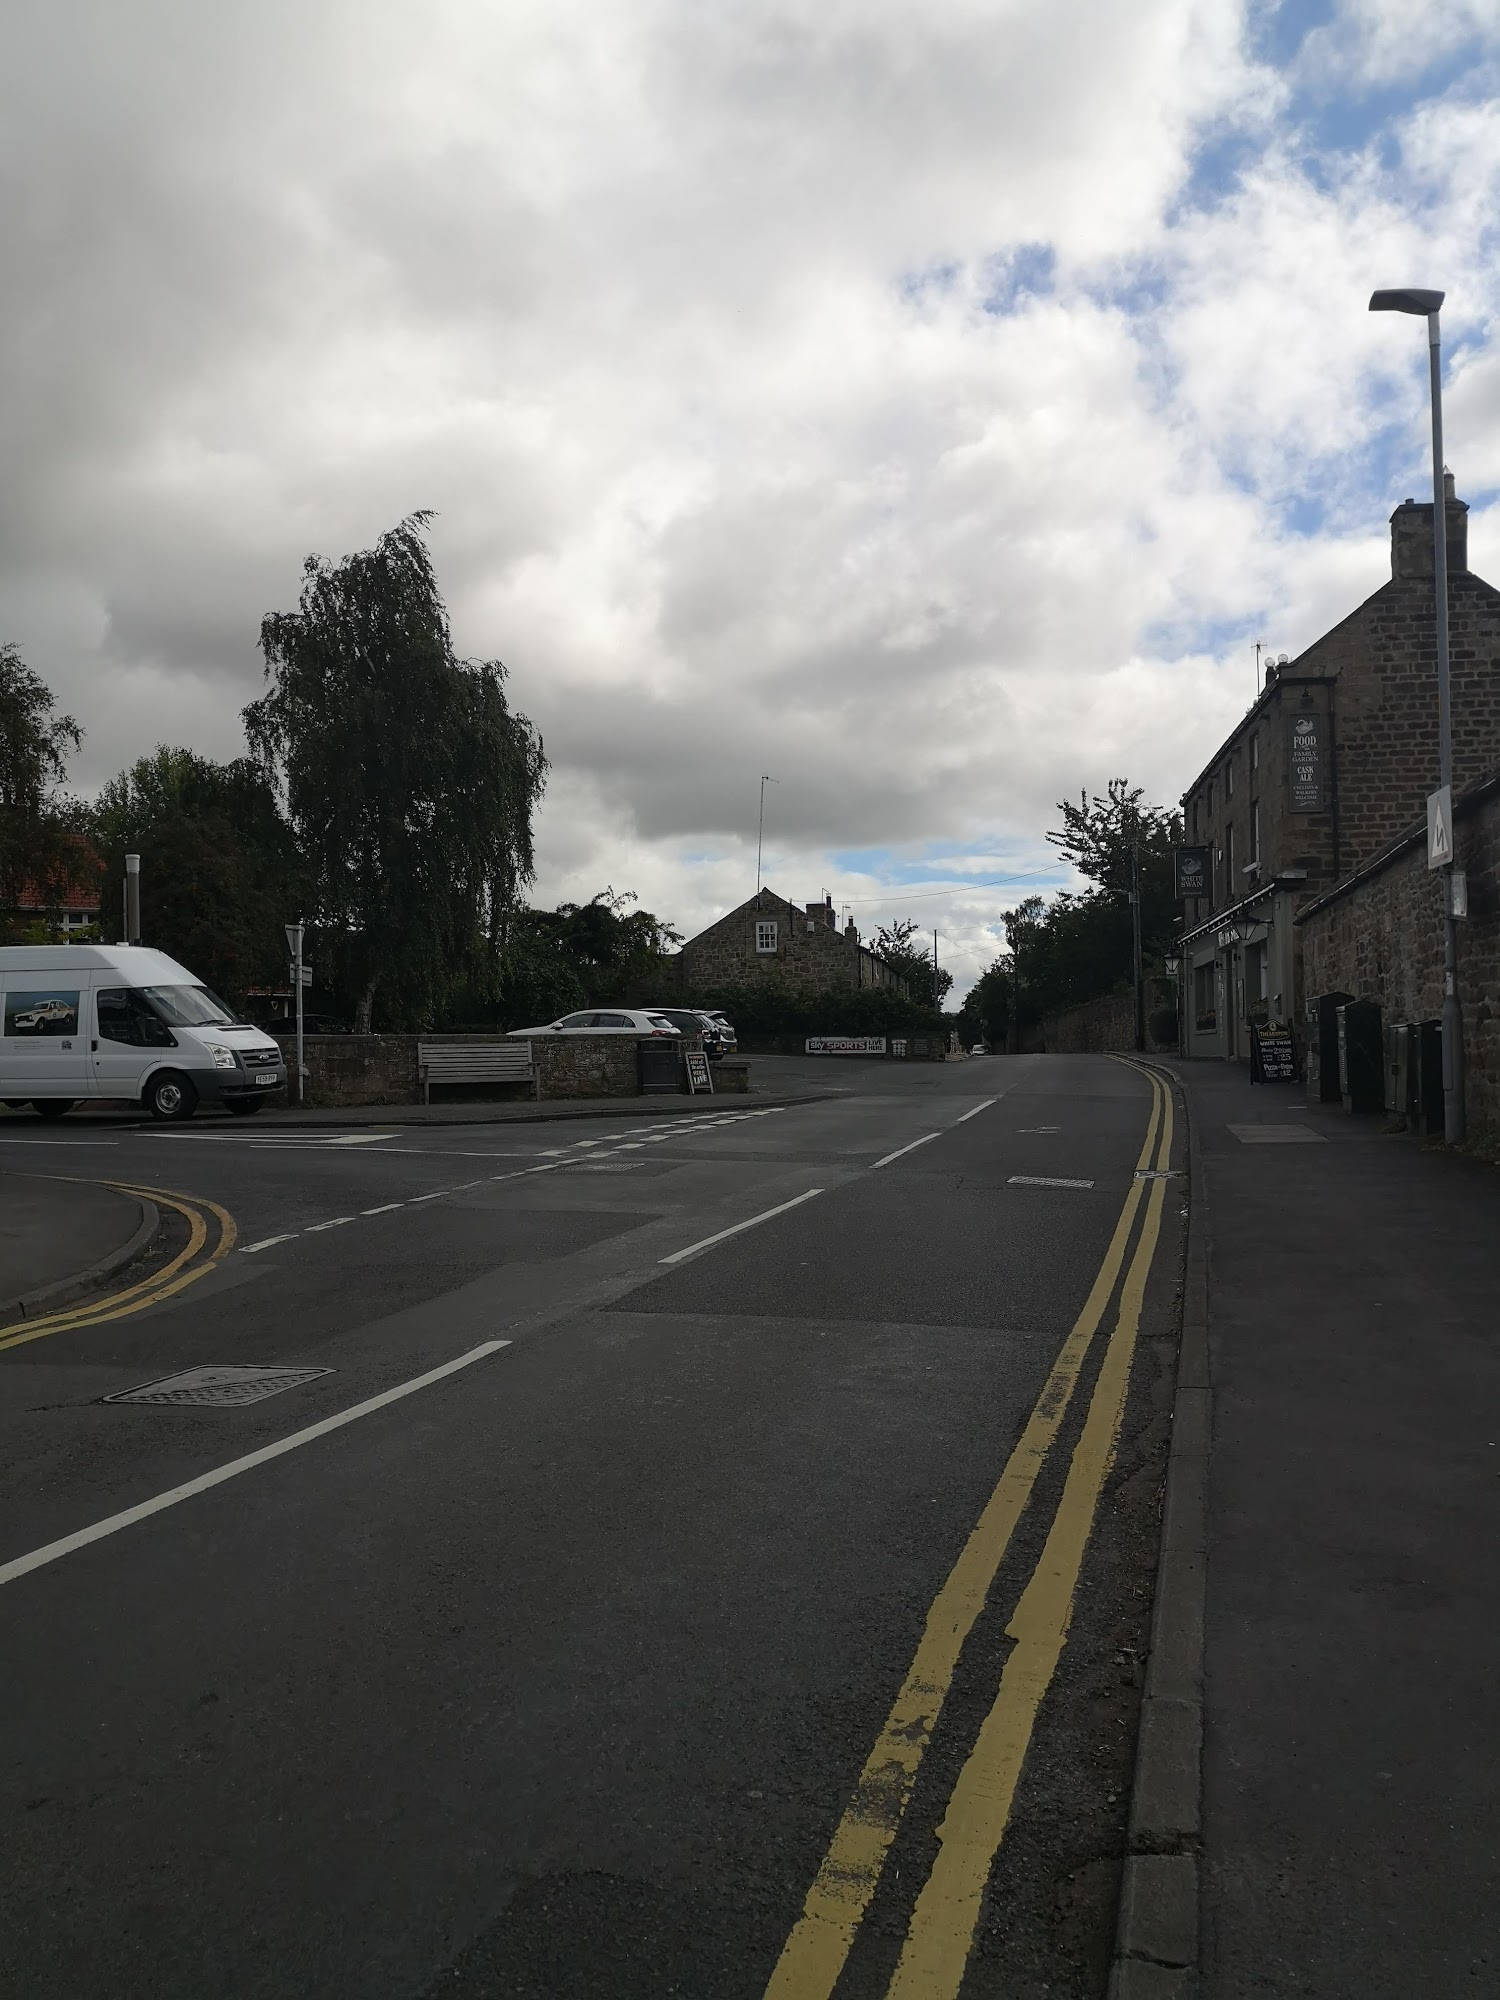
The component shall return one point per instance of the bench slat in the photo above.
(476, 1063)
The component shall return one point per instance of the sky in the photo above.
(926, 406)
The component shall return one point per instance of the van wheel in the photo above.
(170, 1095)
(243, 1106)
(51, 1107)
(15, 1103)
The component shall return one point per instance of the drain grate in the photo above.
(219, 1388)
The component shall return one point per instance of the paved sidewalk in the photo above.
(56, 1234)
(1351, 1808)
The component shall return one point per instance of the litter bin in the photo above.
(1427, 1075)
(1399, 1092)
(1361, 1056)
(661, 1066)
(1327, 1046)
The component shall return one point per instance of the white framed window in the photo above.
(765, 934)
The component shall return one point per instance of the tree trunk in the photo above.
(365, 1007)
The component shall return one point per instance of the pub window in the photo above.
(765, 935)
(1255, 829)
(1229, 860)
(1229, 780)
(1255, 753)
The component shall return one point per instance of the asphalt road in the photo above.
(554, 1674)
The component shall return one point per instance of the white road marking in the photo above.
(19, 1141)
(436, 1195)
(1277, 1135)
(976, 1111)
(708, 1242)
(1043, 1180)
(384, 1208)
(52, 1551)
(334, 1222)
(926, 1136)
(249, 1249)
(1038, 1128)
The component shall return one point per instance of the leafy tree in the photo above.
(409, 781)
(1097, 835)
(42, 845)
(893, 943)
(220, 873)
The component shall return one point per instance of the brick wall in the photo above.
(1381, 938)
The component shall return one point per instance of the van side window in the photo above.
(125, 1016)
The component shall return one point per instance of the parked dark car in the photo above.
(692, 1021)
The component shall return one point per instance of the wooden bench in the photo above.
(476, 1062)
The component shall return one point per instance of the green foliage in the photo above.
(220, 873)
(42, 846)
(409, 781)
(893, 943)
(578, 955)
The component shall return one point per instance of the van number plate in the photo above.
(266, 1076)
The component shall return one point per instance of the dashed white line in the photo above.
(926, 1136)
(707, 1243)
(249, 1249)
(334, 1222)
(51, 1551)
(976, 1111)
(384, 1208)
(1044, 1180)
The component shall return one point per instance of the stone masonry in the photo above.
(346, 1070)
(1379, 936)
(770, 940)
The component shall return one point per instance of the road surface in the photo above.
(686, 1523)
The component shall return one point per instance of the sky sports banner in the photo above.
(846, 1045)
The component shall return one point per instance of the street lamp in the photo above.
(1426, 305)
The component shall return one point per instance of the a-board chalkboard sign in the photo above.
(1273, 1059)
(700, 1076)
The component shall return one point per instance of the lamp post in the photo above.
(1426, 305)
(766, 779)
(295, 934)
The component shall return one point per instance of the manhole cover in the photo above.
(219, 1388)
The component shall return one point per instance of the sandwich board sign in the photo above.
(1440, 827)
(700, 1077)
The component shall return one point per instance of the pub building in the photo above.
(1334, 760)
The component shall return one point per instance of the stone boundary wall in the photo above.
(349, 1070)
(1106, 1026)
(1379, 936)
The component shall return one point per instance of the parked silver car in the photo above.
(605, 1021)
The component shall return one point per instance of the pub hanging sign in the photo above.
(1190, 867)
(1307, 762)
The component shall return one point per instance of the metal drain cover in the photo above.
(219, 1388)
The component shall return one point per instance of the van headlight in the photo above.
(223, 1058)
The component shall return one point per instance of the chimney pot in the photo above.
(1411, 537)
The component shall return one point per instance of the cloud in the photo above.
(883, 398)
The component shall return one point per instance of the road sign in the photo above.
(306, 974)
(1458, 893)
(294, 939)
(1440, 827)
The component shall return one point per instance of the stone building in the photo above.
(1332, 763)
(799, 946)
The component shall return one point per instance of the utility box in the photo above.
(1361, 1056)
(1399, 1083)
(1323, 1049)
(661, 1066)
(1427, 1076)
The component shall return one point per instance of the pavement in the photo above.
(1350, 1812)
(635, 1522)
(60, 1236)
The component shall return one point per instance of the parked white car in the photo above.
(604, 1021)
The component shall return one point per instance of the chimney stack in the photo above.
(1411, 536)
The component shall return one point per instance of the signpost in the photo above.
(301, 978)
(1440, 827)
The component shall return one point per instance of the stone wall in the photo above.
(349, 1070)
(1108, 1025)
(1379, 936)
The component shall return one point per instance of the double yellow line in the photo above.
(197, 1257)
(941, 1931)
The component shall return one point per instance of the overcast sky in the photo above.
(926, 404)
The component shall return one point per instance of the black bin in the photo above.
(1361, 1056)
(1427, 1075)
(1327, 1046)
(660, 1066)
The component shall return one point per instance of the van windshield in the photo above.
(190, 1007)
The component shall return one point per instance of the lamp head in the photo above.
(1406, 301)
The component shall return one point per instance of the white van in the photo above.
(94, 1022)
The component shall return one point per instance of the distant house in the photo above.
(72, 905)
(769, 941)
